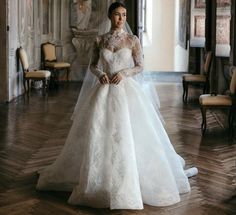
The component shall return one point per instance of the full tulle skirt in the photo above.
(117, 154)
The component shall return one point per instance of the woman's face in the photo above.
(118, 18)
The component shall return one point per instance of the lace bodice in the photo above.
(117, 52)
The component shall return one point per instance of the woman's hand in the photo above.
(104, 79)
(116, 78)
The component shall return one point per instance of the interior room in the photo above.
(188, 49)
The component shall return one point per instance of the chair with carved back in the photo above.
(29, 75)
(50, 61)
(201, 79)
(216, 101)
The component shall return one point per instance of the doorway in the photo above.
(3, 52)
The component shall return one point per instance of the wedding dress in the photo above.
(117, 153)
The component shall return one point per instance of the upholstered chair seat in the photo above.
(217, 100)
(35, 75)
(51, 62)
(57, 65)
(38, 74)
(194, 78)
(213, 101)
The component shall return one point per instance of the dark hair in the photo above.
(113, 6)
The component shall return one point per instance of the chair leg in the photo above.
(47, 84)
(28, 85)
(54, 74)
(44, 86)
(24, 85)
(67, 74)
(204, 123)
(185, 91)
(231, 121)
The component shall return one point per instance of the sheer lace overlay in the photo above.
(115, 42)
(117, 154)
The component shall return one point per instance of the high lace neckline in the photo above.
(113, 39)
(117, 31)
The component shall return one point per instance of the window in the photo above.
(147, 22)
(144, 16)
(223, 16)
(198, 17)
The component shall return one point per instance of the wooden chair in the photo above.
(202, 79)
(50, 60)
(36, 75)
(212, 101)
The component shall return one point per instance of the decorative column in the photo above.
(82, 41)
(86, 19)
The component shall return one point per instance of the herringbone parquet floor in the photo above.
(33, 131)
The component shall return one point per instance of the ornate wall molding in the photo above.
(86, 17)
(82, 41)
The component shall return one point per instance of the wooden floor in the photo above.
(33, 131)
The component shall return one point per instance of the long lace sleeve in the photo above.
(95, 59)
(137, 58)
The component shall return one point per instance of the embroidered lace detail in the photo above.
(115, 41)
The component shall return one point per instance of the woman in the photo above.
(117, 153)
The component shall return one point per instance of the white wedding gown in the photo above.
(117, 153)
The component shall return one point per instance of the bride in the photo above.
(117, 153)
